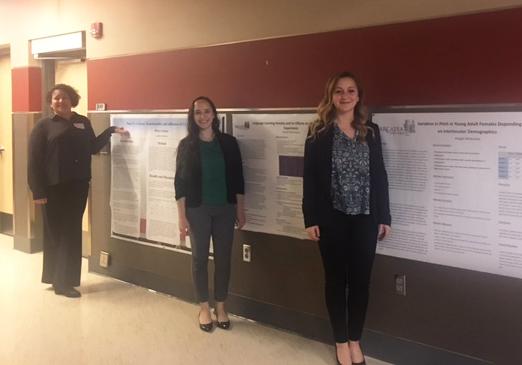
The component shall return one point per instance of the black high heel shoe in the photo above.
(223, 325)
(205, 327)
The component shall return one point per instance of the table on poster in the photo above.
(455, 188)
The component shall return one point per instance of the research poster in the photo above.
(143, 205)
(272, 148)
(455, 188)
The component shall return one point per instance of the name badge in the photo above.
(79, 125)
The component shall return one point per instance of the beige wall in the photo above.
(74, 73)
(6, 157)
(139, 26)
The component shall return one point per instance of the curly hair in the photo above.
(326, 110)
(69, 90)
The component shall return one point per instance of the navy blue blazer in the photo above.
(317, 179)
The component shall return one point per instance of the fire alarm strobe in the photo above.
(97, 30)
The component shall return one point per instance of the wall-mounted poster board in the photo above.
(272, 148)
(455, 188)
(143, 207)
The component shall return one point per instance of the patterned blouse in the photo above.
(350, 174)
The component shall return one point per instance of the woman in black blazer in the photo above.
(209, 192)
(345, 206)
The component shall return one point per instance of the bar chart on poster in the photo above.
(455, 182)
(272, 148)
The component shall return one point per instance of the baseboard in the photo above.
(376, 345)
(27, 245)
(401, 351)
(6, 223)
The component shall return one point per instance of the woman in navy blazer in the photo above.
(345, 206)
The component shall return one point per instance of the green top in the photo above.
(214, 183)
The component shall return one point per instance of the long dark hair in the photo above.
(192, 127)
(326, 109)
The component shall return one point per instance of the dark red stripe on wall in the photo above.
(458, 60)
(27, 89)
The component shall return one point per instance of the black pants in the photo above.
(208, 221)
(62, 254)
(347, 248)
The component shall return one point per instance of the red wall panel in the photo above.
(27, 89)
(457, 60)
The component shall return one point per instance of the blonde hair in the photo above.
(326, 109)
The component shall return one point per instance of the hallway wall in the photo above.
(136, 26)
(159, 54)
(431, 62)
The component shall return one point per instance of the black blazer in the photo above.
(187, 181)
(317, 179)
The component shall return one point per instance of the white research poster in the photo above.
(455, 188)
(143, 204)
(272, 149)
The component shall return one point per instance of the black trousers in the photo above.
(62, 253)
(347, 246)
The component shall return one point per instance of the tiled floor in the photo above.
(118, 323)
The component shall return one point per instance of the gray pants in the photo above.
(217, 222)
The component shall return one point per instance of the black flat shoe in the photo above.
(67, 292)
(205, 327)
(225, 325)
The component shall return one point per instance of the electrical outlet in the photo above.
(400, 284)
(247, 252)
(104, 259)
